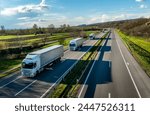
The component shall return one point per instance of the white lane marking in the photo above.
(129, 71)
(64, 73)
(25, 88)
(109, 95)
(10, 82)
(109, 64)
(66, 51)
(49, 68)
(21, 76)
(89, 73)
(50, 88)
(128, 64)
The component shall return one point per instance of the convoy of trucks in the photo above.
(76, 43)
(36, 61)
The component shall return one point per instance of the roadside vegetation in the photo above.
(136, 34)
(14, 48)
(71, 84)
(139, 27)
(140, 49)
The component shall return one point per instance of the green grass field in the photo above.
(30, 35)
(140, 49)
(9, 64)
(140, 42)
(89, 32)
(14, 36)
(4, 44)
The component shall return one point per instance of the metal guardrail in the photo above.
(52, 88)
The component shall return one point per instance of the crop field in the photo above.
(29, 41)
(89, 32)
(13, 42)
(140, 49)
(14, 36)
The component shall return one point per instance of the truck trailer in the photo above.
(91, 36)
(76, 43)
(36, 61)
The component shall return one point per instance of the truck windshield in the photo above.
(91, 36)
(72, 45)
(27, 66)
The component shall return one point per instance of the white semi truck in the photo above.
(91, 36)
(36, 61)
(76, 43)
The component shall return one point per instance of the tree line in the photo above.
(44, 30)
(135, 27)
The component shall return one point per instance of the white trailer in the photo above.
(36, 61)
(76, 43)
(91, 36)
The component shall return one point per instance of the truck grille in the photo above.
(26, 73)
(71, 48)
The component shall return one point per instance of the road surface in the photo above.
(115, 73)
(17, 86)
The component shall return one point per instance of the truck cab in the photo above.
(30, 65)
(73, 45)
(91, 36)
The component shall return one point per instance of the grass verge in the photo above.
(70, 86)
(8, 64)
(139, 48)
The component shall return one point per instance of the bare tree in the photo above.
(35, 29)
(51, 28)
(2, 30)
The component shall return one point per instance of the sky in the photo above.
(19, 14)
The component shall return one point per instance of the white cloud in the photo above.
(120, 17)
(115, 17)
(24, 9)
(80, 18)
(100, 18)
(139, 0)
(52, 18)
(143, 6)
(23, 18)
(105, 18)
(58, 19)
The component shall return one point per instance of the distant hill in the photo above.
(135, 27)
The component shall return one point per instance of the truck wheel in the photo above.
(59, 59)
(35, 74)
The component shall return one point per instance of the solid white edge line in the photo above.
(20, 76)
(129, 70)
(89, 73)
(109, 95)
(25, 88)
(49, 88)
(109, 64)
(61, 77)
(9, 82)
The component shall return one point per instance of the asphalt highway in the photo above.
(115, 73)
(16, 86)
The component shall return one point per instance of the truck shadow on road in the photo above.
(101, 73)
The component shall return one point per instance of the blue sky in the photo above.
(25, 13)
